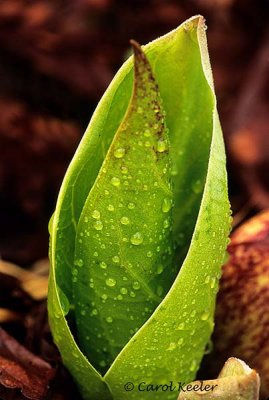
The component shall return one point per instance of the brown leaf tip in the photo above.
(138, 52)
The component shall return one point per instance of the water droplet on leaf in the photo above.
(103, 265)
(98, 225)
(125, 221)
(131, 206)
(137, 239)
(197, 186)
(115, 181)
(96, 214)
(111, 282)
(166, 206)
(161, 145)
(136, 285)
(119, 153)
(79, 262)
(159, 269)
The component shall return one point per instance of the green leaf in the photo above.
(171, 343)
(90, 382)
(235, 381)
(177, 332)
(124, 239)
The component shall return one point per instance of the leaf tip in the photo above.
(138, 52)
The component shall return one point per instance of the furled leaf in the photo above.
(177, 332)
(235, 381)
(171, 342)
(124, 241)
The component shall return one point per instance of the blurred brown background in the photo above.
(57, 58)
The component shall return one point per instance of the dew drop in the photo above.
(213, 283)
(193, 313)
(131, 206)
(116, 259)
(96, 214)
(109, 320)
(119, 297)
(136, 285)
(149, 254)
(193, 366)
(102, 363)
(181, 326)
(180, 341)
(63, 301)
(79, 262)
(197, 186)
(119, 153)
(147, 133)
(161, 145)
(103, 265)
(98, 225)
(166, 206)
(115, 181)
(104, 296)
(110, 207)
(174, 171)
(205, 315)
(159, 269)
(123, 290)
(124, 170)
(132, 294)
(125, 221)
(137, 239)
(166, 223)
(86, 219)
(159, 290)
(111, 282)
(172, 346)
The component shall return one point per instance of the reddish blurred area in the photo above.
(57, 58)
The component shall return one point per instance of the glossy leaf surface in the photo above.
(124, 239)
(171, 340)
